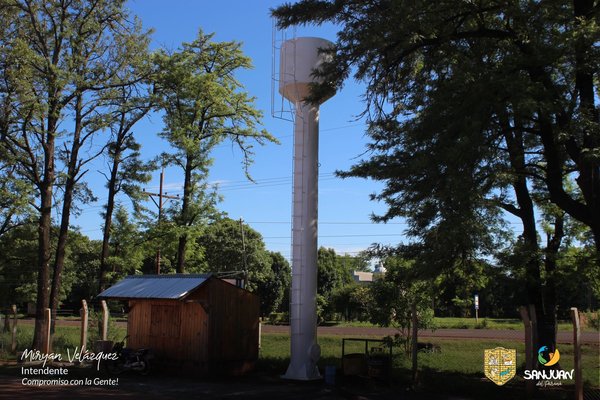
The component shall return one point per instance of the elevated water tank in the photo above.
(299, 58)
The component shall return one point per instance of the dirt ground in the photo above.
(86, 382)
(254, 386)
(465, 334)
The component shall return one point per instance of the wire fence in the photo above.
(489, 358)
(454, 360)
(492, 360)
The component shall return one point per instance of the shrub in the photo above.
(593, 320)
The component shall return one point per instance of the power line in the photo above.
(336, 236)
(259, 183)
(160, 203)
(329, 223)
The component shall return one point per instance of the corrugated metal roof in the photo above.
(174, 286)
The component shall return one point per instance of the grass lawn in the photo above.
(458, 365)
(456, 357)
(64, 337)
(466, 323)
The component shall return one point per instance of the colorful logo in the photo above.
(500, 364)
(545, 357)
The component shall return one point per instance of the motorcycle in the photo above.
(129, 359)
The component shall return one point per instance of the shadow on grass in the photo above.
(430, 384)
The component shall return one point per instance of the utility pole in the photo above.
(160, 195)
(244, 254)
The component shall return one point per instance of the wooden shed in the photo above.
(197, 323)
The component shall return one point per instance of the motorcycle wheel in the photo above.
(145, 370)
(114, 367)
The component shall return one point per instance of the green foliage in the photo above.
(466, 97)
(235, 250)
(394, 296)
(474, 110)
(347, 264)
(127, 171)
(457, 285)
(321, 305)
(593, 320)
(333, 272)
(279, 318)
(230, 255)
(18, 266)
(80, 276)
(272, 290)
(60, 63)
(114, 333)
(127, 254)
(353, 301)
(578, 274)
(457, 365)
(327, 274)
(15, 195)
(204, 105)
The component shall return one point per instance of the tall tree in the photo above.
(470, 106)
(397, 295)
(273, 288)
(17, 265)
(15, 195)
(204, 105)
(65, 55)
(237, 249)
(332, 272)
(537, 58)
(127, 247)
(126, 170)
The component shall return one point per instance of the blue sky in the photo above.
(344, 205)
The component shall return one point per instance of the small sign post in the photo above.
(476, 309)
(13, 346)
(84, 325)
(577, 351)
(104, 320)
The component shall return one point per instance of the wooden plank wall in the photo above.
(174, 330)
(214, 330)
(233, 324)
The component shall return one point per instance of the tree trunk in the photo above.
(44, 227)
(544, 299)
(73, 171)
(414, 346)
(60, 250)
(547, 323)
(589, 167)
(110, 206)
(187, 193)
(181, 254)
(114, 184)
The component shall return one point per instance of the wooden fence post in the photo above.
(529, 385)
(6, 322)
(533, 319)
(415, 342)
(104, 320)
(259, 334)
(13, 347)
(577, 352)
(84, 325)
(47, 321)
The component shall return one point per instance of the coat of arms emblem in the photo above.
(500, 364)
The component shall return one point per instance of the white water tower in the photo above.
(299, 57)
